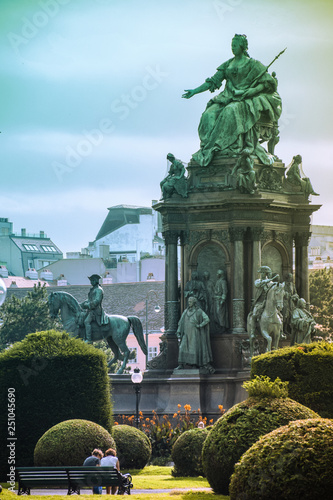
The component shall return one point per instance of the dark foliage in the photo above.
(294, 461)
(54, 378)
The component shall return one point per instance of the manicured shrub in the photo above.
(309, 370)
(54, 378)
(71, 442)
(133, 447)
(294, 461)
(240, 427)
(186, 453)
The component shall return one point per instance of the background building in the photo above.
(25, 253)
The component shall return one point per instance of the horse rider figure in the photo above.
(93, 306)
(263, 284)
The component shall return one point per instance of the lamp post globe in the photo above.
(136, 378)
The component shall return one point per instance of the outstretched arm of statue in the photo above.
(191, 92)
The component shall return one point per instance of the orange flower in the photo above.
(211, 421)
(187, 407)
(179, 406)
(174, 415)
(140, 413)
(300, 348)
(116, 423)
(220, 407)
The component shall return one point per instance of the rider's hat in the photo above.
(94, 276)
(264, 269)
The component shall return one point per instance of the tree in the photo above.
(27, 315)
(321, 299)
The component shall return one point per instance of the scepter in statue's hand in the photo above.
(250, 91)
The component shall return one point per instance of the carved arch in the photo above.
(276, 250)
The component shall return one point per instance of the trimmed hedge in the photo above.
(186, 453)
(239, 428)
(294, 461)
(133, 446)
(71, 442)
(54, 378)
(309, 370)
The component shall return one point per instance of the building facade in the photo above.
(23, 253)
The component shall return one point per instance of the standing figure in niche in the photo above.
(195, 288)
(228, 125)
(220, 300)
(193, 332)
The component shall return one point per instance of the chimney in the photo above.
(23, 232)
(41, 234)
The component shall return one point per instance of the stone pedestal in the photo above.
(218, 227)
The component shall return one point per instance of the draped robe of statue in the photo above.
(193, 330)
(228, 123)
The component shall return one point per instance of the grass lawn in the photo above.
(151, 477)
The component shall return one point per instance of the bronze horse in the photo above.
(114, 332)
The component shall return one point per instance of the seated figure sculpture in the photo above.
(175, 181)
(303, 324)
(229, 123)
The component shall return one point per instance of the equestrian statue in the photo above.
(266, 313)
(89, 322)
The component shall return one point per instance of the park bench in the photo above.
(72, 478)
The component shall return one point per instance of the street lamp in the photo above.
(136, 378)
(157, 310)
(3, 291)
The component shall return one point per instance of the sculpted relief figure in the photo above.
(220, 300)
(209, 288)
(228, 124)
(195, 288)
(193, 332)
(303, 324)
(175, 181)
(245, 173)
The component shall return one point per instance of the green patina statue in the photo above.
(231, 121)
(295, 178)
(193, 331)
(93, 306)
(175, 181)
(245, 173)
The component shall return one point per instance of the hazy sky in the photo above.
(91, 99)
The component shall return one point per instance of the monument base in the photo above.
(164, 392)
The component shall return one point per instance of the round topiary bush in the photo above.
(133, 447)
(309, 370)
(242, 425)
(186, 453)
(71, 442)
(294, 461)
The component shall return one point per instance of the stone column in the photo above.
(257, 234)
(171, 282)
(171, 311)
(301, 265)
(238, 301)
